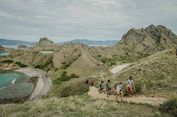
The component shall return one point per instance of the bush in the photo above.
(62, 78)
(46, 66)
(74, 75)
(109, 61)
(138, 88)
(65, 65)
(77, 87)
(39, 66)
(170, 107)
(65, 77)
(8, 61)
(21, 64)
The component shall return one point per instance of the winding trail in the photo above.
(141, 99)
(119, 68)
(138, 99)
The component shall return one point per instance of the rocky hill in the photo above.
(137, 43)
(149, 40)
(75, 58)
(46, 44)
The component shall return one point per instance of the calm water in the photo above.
(14, 84)
(7, 78)
(4, 53)
(15, 46)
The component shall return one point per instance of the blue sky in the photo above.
(62, 20)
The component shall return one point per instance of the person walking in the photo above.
(130, 86)
(101, 87)
(108, 88)
(119, 92)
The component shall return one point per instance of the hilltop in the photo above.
(149, 40)
(76, 58)
(46, 44)
(136, 44)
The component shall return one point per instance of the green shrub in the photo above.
(109, 61)
(46, 66)
(138, 88)
(77, 87)
(170, 107)
(21, 64)
(65, 65)
(99, 56)
(65, 77)
(74, 75)
(8, 61)
(39, 66)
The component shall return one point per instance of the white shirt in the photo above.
(130, 83)
(118, 87)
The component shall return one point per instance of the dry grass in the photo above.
(77, 106)
(154, 75)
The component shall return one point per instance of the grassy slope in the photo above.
(155, 74)
(78, 106)
(76, 86)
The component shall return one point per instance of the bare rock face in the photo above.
(46, 44)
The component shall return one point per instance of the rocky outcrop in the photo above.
(46, 44)
(149, 40)
(137, 43)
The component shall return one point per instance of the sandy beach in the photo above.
(43, 84)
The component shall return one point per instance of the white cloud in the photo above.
(93, 19)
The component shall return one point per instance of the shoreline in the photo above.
(42, 85)
(38, 78)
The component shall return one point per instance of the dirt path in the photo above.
(141, 99)
(119, 68)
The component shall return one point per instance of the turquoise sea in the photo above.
(14, 84)
(3, 53)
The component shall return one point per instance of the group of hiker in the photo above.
(117, 88)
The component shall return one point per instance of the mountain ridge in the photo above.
(15, 42)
